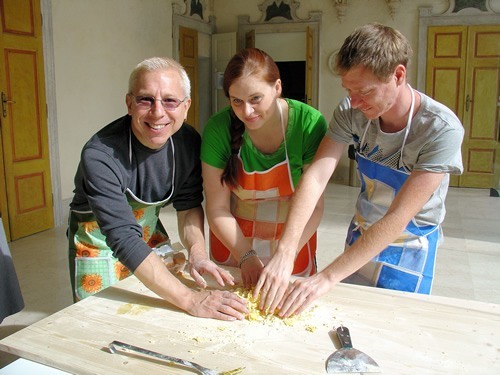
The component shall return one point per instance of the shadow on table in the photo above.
(116, 293)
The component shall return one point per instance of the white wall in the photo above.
(273, 44)
(332, 34)
(98, 42)
(96, 45)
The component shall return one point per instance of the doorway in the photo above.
(464, 65)
(188, 58)
(273, 31)
(293, 79)
(25, 187)
(191, 34)
(463, 71)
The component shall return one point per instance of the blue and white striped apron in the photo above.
(407, 264)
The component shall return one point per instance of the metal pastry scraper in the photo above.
(347, 359)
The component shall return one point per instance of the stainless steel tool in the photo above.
(113, 347)
(347, 359)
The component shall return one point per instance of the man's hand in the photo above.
(301, 293)
(198, 268)
(273, 281)
(218, 304)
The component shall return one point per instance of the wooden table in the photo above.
(404, 333)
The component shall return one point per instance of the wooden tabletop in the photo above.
(404, 333)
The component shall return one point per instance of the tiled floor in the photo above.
(467, 264)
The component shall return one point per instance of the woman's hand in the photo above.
(251, 270)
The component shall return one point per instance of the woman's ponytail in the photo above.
(230, 172)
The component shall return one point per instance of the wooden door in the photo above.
(480, 118)
(250, 39)
(463, 73)
(188, 57)
(26, 196)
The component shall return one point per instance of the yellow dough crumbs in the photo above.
(255, 314)
(311, 328)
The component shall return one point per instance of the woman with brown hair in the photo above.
(253, 155)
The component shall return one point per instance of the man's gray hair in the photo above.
(160, 63)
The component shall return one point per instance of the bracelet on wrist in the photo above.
(245, 256)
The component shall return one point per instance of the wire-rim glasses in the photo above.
(146, 102)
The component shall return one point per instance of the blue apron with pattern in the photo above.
(407, 264)
(92, 264)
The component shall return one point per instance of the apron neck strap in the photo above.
(408, 125)
(407, 129)
(280, 110)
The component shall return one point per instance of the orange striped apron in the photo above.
(260, 205)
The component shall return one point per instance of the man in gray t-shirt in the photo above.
(407, 145)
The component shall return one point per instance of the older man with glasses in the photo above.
(128, 171)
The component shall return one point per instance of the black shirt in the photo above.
(109, 167)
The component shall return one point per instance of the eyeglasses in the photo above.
(169, 104)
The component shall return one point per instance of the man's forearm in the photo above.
(307, 195)
(156, 277)
(192, 231)
(302, 206)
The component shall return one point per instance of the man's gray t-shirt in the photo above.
(433, 144)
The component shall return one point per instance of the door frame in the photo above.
(465, 17)
(188, 58)
(60, 209)
(182, 16)
(51, 111)
(282, 24)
